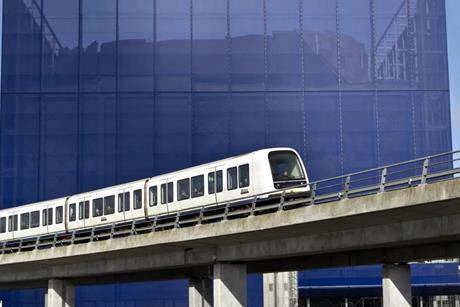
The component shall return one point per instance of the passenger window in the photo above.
(124, 201)
(167, 191)
(137, 199)
(44, 217)
(183, 189)
(3, 225)
(219, 182)
(72, 212)
(35, 219)
(211, 183)
(50, 216)
(109, 205)
(243, 170)
(12, 223)
(231, 178)
(25, 221)
(97, 207)
(59, 215)
(197, 186)
(83, 210)
(153, 196)
(170, 192)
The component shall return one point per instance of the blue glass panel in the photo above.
(21, 57)
(60, 45)
(395, 127)
(135, 46)
(320, 44)
(392, 56)
(58, 149)
(172, 46)
(98, 54)
(284, 45)
(359, 131)
(323, 158)
(20, 126)
(211, 124)
(135, 137)
(429, 45)
(355, 44)
(247, 123)
(210, 46)
(173, 129)
(97, 137)
(285, 121)
(247, 45)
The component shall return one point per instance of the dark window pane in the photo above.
(137, 199)
(183, 189)
(81, 210)
(219, 182)
(34, 219)
(59, 215)
(44, 217)
(135, 46)
(120, 202)
(97, 207)
(60, 45)
(25, 221)
(72, 212)
(87, 209)
(50, 216)
(153, 199)
(98, 55)
(243, 171)
(163, 193)
(12, 223)
(232, 182)
(173, 49)
(3, 225)
(197, 186)
(211, 183)
(170, 192)
(127, 201)
(109, 205)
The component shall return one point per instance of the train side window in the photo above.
(97, 207)
(137, 199)
(153, 196)
(59, 215)
(109, 205)
(197, 186)
(211, 183)
(13, 223)
(50, 216)
(183, 189)
(81, 210)
(243, 171)
(3, 225)
(170, 192)
(167, 192)
(25, 221)
(232, 178)
(34, 219)
(123, 202)
(72, 212)
(219, 182)
(163, 193)
(44, 217)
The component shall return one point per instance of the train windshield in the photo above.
(285, 166)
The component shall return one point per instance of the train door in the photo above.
(13, 223)
(83, 212)
(215, 182)
(44, 217)
(124, 203)
(167, 194)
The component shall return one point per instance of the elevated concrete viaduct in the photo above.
(392, 228)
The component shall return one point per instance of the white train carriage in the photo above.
(260, 174)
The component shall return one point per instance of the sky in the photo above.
(453, 42)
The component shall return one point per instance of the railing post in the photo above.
(383, 179)
(426, 164)
(253, 205)
(346, 186)
(313, 193)
(280, 205)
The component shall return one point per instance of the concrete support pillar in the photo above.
(60, 293)
(200, 292)
(281, 289)
(229, 285)
(397, 290)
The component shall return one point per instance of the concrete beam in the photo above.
(280, 289)
(230, 285)
(200, 292)
(60, 293)
(397, 288)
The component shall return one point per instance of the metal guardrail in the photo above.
(377, 180)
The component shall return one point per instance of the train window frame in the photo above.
(183, 189)
(153, 196)
(35, 219)
(244, 169)
(59, 215)
(232, 178)
(99, 210)
(13, 223)
(72, 212)
(24, 221)
(109, 205)
(2, 224)
(137, 199)
(197, 180)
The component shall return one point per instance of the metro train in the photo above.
(266, 171)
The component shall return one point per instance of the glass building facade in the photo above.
(100, 92)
